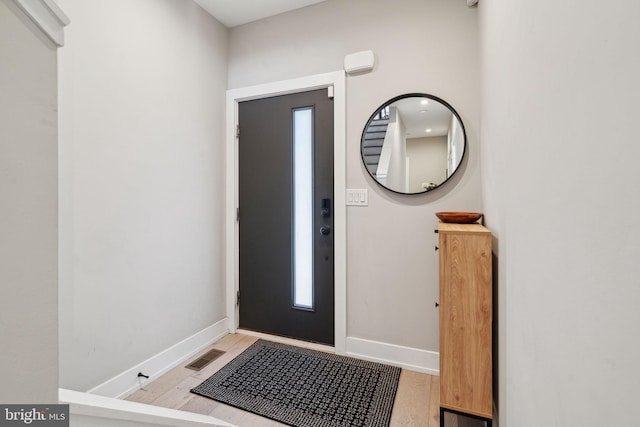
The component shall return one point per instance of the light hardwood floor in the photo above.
(416, 402)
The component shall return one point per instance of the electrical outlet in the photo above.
(357, 197)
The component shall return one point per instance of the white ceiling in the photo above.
(237, 12)
(418, 117)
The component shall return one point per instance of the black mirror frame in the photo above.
(413, 95)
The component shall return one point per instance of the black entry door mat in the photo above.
(305, 388)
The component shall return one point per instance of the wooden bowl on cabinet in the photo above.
(459, 217)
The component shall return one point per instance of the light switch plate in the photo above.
(357, 197)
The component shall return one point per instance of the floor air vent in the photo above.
(204, 360)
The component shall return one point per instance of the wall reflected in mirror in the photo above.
(413, 143)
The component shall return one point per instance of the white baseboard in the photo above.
(414, 359)
(127, 382)
(405, 357)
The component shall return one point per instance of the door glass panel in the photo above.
(303, 208)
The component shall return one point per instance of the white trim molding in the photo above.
(89, 409)
(337, 80)
(126, 383)
(427, 362)
(48, 16)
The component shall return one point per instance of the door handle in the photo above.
(325, 230)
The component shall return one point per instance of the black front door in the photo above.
(286, 280)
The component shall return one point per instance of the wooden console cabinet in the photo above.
(465, 320)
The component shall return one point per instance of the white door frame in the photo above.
(335, 80)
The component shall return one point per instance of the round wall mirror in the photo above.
(413, 143)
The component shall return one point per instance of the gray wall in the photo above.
(427, 154)
(142, 89)
(558, 79)
(28, 212)
(420, 46)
